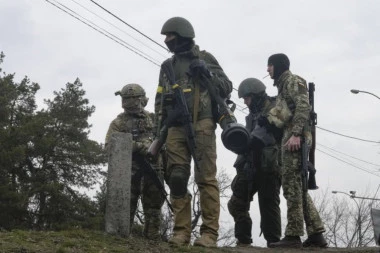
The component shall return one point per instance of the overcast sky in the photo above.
(335, 44)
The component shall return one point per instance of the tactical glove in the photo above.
(263, 121)
(141, 147)
(199, 67)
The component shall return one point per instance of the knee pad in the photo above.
(178, 180)
(238, 208)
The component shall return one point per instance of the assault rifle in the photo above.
(180, 111)
(150, 171)
(312, 185)
(304, 165)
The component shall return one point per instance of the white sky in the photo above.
(335, 44)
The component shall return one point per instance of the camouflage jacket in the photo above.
(140, 126)
(181, 62)
(292, 89)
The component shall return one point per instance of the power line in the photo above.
(118, 28)
(319, 144)
(140, 53)
(324, 129)
(353, 165)
(104, 33)
(129, 25)
(242, 107)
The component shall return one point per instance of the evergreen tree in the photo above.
(63, 158)
(46, 156)
(17, 104)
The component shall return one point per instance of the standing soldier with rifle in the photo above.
(184, 111)
(146, 180)
(292, 112)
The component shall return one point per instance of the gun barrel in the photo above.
(148, 168)
(304, 164)
(167, 68)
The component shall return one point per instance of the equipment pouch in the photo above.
(269, 159)
(280, 114)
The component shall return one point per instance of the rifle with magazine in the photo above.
(181, 111)
(151, 172)
(312, 185)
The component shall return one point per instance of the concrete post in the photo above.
(117, 215)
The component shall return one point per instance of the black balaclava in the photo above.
(280, 63)
(257, 102)
(179, 44)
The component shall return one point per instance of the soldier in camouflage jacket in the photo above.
(293, 110)
(139, 123)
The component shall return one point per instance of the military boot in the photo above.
(287, 242)
(315, 240)
(206, 240)
(152, 225)
(243, 245)
(270, 242)
(182, 221)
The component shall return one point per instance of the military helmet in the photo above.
(180, 26)
(250, 86)
(131, 90)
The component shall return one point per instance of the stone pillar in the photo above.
(375, 214)
(119, 185)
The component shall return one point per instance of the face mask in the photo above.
(171, 44)
(134, 104)
(257, 102)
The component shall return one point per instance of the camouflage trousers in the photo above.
(151, 198)
(179, 160)
(300, 206)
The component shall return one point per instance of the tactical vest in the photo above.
(282, 114)
(140, 126)
(181, 63)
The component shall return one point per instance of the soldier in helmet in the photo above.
(293, 101)
(139, 123)
(192, 69)
(258, 170)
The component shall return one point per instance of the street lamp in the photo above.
(362, 91)
(358, 222)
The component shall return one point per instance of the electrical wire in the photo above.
(128, 25)
(118, 40)
(138, 52)
(324, 129)
(126, 45)
(119, 28)
(319, 144)
(353, 165)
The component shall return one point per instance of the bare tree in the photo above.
(347, 219)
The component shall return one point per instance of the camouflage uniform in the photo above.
(293, 90)
(141, 125)
(179, 157)
(259, 173)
